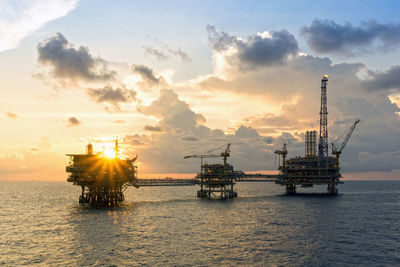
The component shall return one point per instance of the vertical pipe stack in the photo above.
(310, 143)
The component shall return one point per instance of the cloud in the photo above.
(269, 140)
(11, 115)
(246, 132)
(220, 41)
(272, 121)
(138, 140)
(292, 90)
(383, 81)
(72, 121)
(190, 138)
(72, 64)
(160, 55)
(181, 54)
(184, 133)
(149, 78)
(19, 18)
(258, 50)
(282, 85)
(175, 113)
(113, 96)
(31, 165)
(152, 128)
(44, 144)
(327, 36)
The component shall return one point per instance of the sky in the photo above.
(173, 78)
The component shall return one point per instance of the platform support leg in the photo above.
(332, 189)
(290, 189)
(82, 196)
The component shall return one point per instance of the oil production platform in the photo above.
(316, 167)
(103, 179)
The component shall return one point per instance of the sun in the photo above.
(109, 153)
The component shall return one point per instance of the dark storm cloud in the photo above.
(160, 55)
(152, 128)
(327, 36)
(383, 81)
(72, 63)
(257, 50)
(147, 74)
(72, 121)
(111, 95)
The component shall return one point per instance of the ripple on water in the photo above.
(42, 224)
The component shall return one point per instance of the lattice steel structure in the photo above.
(217, 181)
(103, 180)
(323, 127)
(312, 169)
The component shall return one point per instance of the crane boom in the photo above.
(224, 155)
(337, 152)
(348, 135)
(346, 139)
(201, 156)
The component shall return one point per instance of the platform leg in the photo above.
(82, 196)
(332, 189)
(290, 189)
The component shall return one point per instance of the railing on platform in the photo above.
(256, 177)
(166, 182)
(188, 182)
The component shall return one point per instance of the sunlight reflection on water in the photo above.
(42, 223)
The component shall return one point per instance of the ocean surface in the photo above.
(43, 224)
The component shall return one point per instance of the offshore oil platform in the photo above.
(103, 179)
(314, 169)
(216, 179)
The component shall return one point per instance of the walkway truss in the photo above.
(209, 188)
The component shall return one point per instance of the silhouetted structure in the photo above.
(313, 169)
(103, 180)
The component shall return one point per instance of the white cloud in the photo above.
(20, 18)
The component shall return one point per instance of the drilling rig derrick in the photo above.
(314, 168)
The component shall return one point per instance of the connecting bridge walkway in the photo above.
(189, 182)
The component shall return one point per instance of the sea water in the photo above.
(42, 223)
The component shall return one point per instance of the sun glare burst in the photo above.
(110, 153)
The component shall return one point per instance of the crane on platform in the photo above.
(224, 154)
(336, 151)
